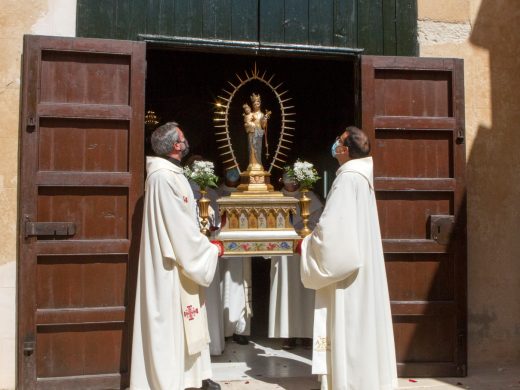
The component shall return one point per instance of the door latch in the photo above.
(28, 346)
(460, 136)
(30, 124)
(441, 227)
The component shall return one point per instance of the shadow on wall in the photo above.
(493, 177)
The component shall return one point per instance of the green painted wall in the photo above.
(378, 26)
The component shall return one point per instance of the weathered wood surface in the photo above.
(81, 163)
(413, 112)
(386, 27)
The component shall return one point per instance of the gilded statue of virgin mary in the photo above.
(255, 125)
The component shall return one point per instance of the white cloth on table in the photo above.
(235, 293)
(291, 305)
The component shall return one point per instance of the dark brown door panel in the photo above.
(81, 177)
(413, 112)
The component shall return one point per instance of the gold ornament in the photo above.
(258, 218)
(203, 203)
(221, 118)
(150, 119)
(304, 212)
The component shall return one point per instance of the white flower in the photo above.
(304, 170)
(304, 173)
(202, 173)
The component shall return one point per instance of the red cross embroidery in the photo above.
(185, 198)
(190, 312)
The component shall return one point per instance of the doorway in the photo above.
(82, 102)
(185, 85)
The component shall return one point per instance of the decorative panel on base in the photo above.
(257, 224)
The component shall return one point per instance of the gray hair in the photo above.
(164, 137)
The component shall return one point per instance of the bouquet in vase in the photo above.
(202, 173)
(303, 173)
(306, 176)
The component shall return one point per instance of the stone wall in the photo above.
(486, 34)
(17, 17)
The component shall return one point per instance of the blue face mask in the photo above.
(334, 147)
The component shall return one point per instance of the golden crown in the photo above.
(255, 98)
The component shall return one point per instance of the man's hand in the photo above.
(298, 247)
(220, 247)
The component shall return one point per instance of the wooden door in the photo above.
(81, 179)
(413, 111)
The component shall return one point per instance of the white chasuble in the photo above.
(343, 261)
(170, 339)
(291, 305)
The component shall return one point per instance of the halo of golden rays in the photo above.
(221, 119)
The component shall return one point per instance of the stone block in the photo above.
(9, 113)
(9, 162)
(452, 11)
(8, 219)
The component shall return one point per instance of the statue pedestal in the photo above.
(255, 180)
(257, 223)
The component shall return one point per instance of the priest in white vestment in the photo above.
(170, 340)
(235, 275)
(291, 305)
(342, 259)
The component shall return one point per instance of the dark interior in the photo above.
(185, 85)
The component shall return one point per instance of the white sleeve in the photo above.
(179, 236)
(332, 252)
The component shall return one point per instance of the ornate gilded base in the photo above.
(257, 224)
(255, 180)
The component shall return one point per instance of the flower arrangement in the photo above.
(202, 173)
(303, 173)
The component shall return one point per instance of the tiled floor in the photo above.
(263, 365)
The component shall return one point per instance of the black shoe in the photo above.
(240, 339)
(307, 343)
(208, 384)
(289, 343)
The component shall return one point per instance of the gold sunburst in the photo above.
(221, 119)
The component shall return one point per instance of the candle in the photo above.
(325, 186)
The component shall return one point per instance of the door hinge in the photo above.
(49, 229)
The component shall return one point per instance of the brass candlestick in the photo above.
(304, 212)
(203, 203)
